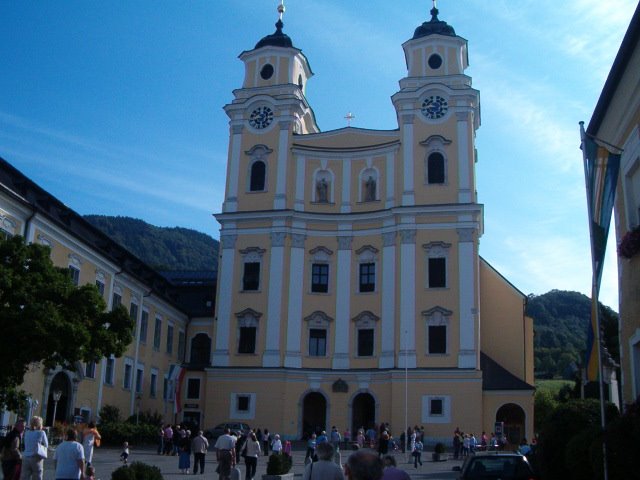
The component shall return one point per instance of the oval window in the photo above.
(435, 61)
(267, 71)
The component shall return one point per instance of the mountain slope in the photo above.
(162, 248)
(560, 322)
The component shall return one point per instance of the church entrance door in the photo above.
(60, 388)
(314, 414)
(363, 414)
(513, 417)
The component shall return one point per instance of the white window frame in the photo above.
(90, 372)
(170, 338)
(258, 153)
(437, 250)
(128, 362)
(364, 255)
(437, 317)
(248, 318)
(249, 414)
(110, 360)
(139, 386)
(252, 255)
(365, 321)
(319, 321)
(144, 320)
(153, 383)
(322, 256)
(157, 339)
(186, 389)
(443, 418)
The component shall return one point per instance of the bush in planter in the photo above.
(137, 471)
(279, 464)
(439, 448)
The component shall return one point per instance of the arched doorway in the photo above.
(513, 417)
(363, 412)
(59, 385)
(314, 414)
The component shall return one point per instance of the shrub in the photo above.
(565, 422)
(623, 437)
(146, 418)
(137, 471)
(117, 433)
(439, 448)
(109, 414)
(279, 464)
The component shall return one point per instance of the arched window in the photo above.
(258, 174)
(435, 168)
(200, 349)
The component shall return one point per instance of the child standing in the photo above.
(417, 454)
(124, 456)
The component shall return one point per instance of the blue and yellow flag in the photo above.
(601, 168)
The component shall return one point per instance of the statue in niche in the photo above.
(322, 191)
(370, 189)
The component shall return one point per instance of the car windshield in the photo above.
(492, 467)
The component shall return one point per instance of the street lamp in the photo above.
(56, 398)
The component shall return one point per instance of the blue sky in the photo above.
(116, 107)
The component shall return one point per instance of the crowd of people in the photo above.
(23, 452)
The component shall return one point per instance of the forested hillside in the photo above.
(560, 322)
(160, 247)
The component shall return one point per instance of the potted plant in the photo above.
(438, 454)
(278, 467)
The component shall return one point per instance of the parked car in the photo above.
(495, 465)
(215, 432)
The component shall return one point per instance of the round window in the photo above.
(267, 71)
(435, 61)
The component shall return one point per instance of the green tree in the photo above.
(49, 320)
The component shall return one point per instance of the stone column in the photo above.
(293, 357)
(233, 174)
(407, 299)
(387, 354)
(464, 165)
(271, 356)
(225, 296)
(280, 201)
(467, 283)
(343, 303)
(408, 171)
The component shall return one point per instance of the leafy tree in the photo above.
(51, 321)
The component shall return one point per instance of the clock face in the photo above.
(434, 107)
(261, 117)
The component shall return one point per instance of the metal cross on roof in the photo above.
(281, 9)
(349, 116)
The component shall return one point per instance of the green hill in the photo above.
(560, 322)
(160, 247)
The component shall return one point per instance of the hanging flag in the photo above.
(176, 374)
(601, 167)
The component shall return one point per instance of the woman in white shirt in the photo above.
(276, 446)
(32, 460)
(251, 452)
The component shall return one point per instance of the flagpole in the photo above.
(595, 288)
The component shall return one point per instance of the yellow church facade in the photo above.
(351, 291)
